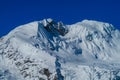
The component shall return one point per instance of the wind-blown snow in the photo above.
(47, 50)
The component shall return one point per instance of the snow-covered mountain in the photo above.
(49, 50)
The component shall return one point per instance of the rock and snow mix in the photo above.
(49, 50)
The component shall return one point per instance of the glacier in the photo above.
(50, 50)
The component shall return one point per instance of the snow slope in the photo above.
(49, 50)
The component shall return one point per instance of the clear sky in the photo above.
(17, 12)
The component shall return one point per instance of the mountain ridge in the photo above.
(49, 50)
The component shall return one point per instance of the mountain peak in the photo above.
(52, 27)
(50, 50)
(91, 26)
(46, 21)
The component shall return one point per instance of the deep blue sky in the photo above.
(17, 12)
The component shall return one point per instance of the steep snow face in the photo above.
(49, 50)
(97, 38)
(18, 52)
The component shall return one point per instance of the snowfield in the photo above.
(49, 50)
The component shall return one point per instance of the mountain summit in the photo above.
(50, 50)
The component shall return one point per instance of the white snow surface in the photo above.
(89, 50)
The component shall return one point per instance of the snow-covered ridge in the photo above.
(50, 50)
